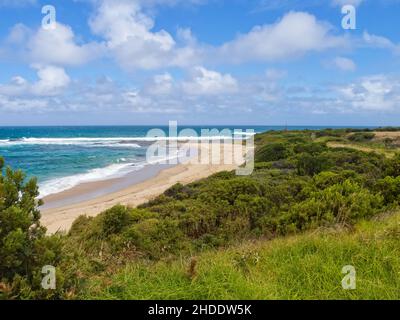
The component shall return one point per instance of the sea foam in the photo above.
(57, 185)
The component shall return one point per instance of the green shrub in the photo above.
(393, 167)
(308, 164)
(326, 179)
(272, 152)
(390, 189)
(115, 220)
(343, 203)
(155, 237)
(310, 148)
(362, 136)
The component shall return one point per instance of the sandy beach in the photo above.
(60, 218)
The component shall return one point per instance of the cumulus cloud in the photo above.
(57, 46)
(130, 37)
(128, 34)
(209, 82)
(296, 34)
(51, 82)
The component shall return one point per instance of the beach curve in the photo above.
(61, 219)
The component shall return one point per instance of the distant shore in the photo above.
(90, 199)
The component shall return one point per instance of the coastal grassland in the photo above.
(305, 266)
(285, 231)
(383, 142)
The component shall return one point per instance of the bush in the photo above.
(308, 164)
(273, 152)
(310, 148)
(328, 178)
(155, 237)
(393, 168)
(361, 136)
(115, 220)
(343, 203)
(390, 189)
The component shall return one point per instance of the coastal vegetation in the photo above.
(316, 201)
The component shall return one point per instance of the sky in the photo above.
(200, 62)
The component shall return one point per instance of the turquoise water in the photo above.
(62, 157)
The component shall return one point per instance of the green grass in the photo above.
(304, 266)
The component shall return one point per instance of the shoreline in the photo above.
(136, 188)
(87, 191)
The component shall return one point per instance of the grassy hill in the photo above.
(297, 267)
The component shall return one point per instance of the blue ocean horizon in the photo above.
(62, 157)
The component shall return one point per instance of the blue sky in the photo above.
(199, 62)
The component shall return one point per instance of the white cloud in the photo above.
(58, 46)
(208, 82)
(12, 104)
(296, 34)
(374, 93)
(17, 86)
(130, 37)
(19, 34)
(51, 81)
(161, 84)
(380, 42)
(203, 92)
(344, 64)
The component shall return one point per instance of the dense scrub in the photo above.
(299, 183)
(306, 266)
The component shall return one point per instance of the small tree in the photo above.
(24, 248)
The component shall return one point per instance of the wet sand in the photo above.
(90, 199)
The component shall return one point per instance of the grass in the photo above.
(304, 266)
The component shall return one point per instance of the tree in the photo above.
(24, 247)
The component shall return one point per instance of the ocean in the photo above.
(64, 157)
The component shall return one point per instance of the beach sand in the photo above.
(61, 218)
